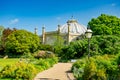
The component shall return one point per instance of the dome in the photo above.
(75, 27)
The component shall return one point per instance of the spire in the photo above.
(58, 29)
(36, 30)
(43, 34)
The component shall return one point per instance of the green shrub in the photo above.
(19, 70)
(47, 63)
(90, 70)
(100, 74)
(45, 47)
(75, 50)
(99, 45)
(104, 67)
(43, 63)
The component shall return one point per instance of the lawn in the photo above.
(9, 61)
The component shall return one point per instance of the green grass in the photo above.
(9, 61)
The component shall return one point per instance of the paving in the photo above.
(60, 71)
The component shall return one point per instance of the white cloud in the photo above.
(14, 21)
(113, 4)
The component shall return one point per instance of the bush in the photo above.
(46, 63)
(43, 54)
(99, 45)
(97, 68)
(21, 41)
(75, 50)
(45, 47)
(90, 70)
(19, 70)
(78, 68)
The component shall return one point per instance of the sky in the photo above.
(28, 14)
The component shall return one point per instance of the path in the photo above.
(60, 71)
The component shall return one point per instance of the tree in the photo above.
(105, 25)
(1, 32)
(22, 41)
(6, 32)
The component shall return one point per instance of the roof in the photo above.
(75, 27)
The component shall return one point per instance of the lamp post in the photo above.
(88, 34)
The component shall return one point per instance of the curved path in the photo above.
(60, 71)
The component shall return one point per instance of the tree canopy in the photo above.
(1, 33)
(22, 41)
(1, 30)
(105, 25)
(5, 33)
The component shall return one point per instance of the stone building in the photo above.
(71, 31)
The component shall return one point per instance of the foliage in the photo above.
(89, 71)
(58, 45)
(105, 45)
(19, 70)
(8, 61)
(22, 70)
(43, 54)
(105, 25)
(21, 41)
(45, 47)
(99, 45)
(78, 68)
(97, 68)
(6, 33)
(1, 34)
(46, 63)
(1, 31)
(74, 50)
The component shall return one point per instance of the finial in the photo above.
(58, 25)
(88, 27)
(72, 17)
(43, 26)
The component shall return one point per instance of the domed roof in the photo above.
(75, 27)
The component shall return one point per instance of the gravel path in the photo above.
(60, 71)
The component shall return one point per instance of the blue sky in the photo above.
(28, 14)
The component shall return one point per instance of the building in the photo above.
(71, 31)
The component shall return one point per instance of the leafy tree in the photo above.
(105, 25)
(1, 32)
(22, 41)
(105, 44)
(6, 33)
